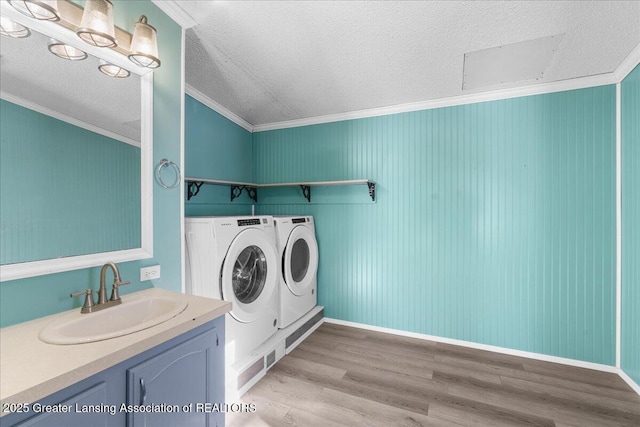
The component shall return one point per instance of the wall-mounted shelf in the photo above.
(194, 184)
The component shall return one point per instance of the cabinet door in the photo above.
(167, 388)
(91, 411)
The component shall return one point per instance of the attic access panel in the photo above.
(509, 63)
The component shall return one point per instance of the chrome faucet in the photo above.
(89, 305)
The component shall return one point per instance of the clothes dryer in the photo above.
(235, 259)
(298, 257)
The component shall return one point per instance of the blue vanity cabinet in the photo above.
(186, 372)
(69, 412)
(178, 386)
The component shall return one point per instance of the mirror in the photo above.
(75, 157)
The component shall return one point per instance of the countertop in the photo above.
(31, 369)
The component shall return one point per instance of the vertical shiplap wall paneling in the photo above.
(215, 148)
(630, 328)
(51, 189)
(493, 222)
(33, 297)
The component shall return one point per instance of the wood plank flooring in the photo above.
(342, 376)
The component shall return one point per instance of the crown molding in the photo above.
(625, 67)
(201, 97)
(628, 64)
(68, 119)
(175, 12)
(537, 89)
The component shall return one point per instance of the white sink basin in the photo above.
(137, 312)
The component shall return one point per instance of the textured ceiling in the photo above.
(273, 61)
(76, 89)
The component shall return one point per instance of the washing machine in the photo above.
(298, 257)
(235, 259)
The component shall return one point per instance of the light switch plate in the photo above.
(149, 273)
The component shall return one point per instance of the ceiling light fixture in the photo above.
(46, 10)
(144, 45)
(113, 70)
(96, 27)
(65, 51)
(13, 29)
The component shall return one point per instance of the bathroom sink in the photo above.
(137, 312)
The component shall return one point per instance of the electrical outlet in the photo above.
(149, 273)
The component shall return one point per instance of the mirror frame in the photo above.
(58, 265)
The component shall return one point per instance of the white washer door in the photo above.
(249, 273)
(300, 260)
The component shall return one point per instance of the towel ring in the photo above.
(164, 163)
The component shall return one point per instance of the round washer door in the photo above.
(300, 260)
(249, 273)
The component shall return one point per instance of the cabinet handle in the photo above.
(143, 391)
(217, 343)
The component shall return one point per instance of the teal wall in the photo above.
(49, 190)
(26, 299)
(630, 330)
(494, 222)
(216, 148)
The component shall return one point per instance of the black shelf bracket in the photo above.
(194, 184)
(236, 191)
(372, 190)
(306, 192)
(193, 187)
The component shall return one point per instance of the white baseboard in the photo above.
(629, 381)
(495, 349)
(529, 355)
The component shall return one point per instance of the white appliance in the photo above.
(235, 259)
(298, 255)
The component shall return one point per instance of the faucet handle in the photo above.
(88, 300)
(115, 295)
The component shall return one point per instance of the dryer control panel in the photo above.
(245, 222)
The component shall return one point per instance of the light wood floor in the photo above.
(343, 376)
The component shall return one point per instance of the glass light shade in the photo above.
(113, 70)
(13, 29)
(66, 51)
(46, 10)
(96, 27)
(144, 45)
